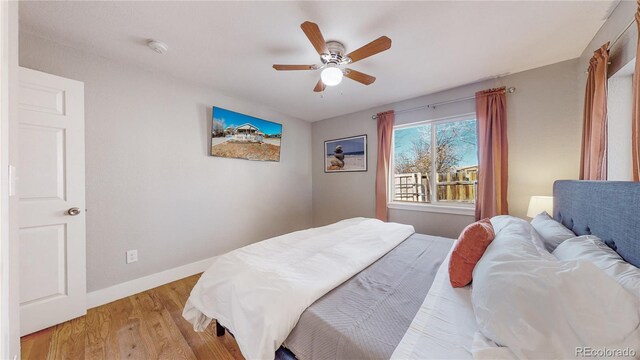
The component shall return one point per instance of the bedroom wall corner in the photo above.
(544, 135)
(621, 22)
(151, 184)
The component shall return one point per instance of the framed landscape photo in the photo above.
(346, 154)
(239, 136)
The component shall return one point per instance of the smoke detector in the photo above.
(158, 46)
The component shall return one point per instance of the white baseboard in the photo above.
(119, 291)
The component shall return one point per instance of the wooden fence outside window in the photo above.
(458, 185)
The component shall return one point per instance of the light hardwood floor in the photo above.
(145, 326)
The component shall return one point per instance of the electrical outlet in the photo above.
(132, 256)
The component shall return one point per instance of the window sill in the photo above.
(445, 209)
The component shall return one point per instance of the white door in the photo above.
(52, 206)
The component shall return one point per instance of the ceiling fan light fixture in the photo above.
(331, 75)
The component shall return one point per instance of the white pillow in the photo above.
(591, 248)
(552, 232)
(519, 230)
(543, 308)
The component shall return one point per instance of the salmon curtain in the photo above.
(635, 125)
(593, 155)
(385, 131)
(491, 115)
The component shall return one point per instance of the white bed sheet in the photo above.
(445, 325)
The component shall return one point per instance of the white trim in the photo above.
(9, 246)
(461, 117)
(391, 204)
(5, 330)
(119, 291)
(444, 209)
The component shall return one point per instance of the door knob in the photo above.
(73, 211)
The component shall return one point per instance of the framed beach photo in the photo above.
(239, 136)
(346, 154)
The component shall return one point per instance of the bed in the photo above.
(403, 306)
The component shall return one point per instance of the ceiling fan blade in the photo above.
(319, 86)
(294, 67)
(376, 46)
(359, 77)
(315, 36)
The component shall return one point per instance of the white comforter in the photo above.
(259, 291)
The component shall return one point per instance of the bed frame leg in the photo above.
(219, 329)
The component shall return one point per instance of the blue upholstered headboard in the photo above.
(609, 210)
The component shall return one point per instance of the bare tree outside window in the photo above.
(455, 152)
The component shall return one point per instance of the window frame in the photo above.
(433, 205)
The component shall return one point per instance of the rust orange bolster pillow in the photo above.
(468, 250)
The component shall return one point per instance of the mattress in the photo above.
(367, 316)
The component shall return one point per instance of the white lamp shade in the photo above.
(538, 204)
(331, 76)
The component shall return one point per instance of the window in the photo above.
(435, 162)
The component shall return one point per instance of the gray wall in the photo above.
(151, 185)
(544, 141)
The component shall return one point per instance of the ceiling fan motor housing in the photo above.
(336, 54)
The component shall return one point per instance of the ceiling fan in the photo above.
(333, 58)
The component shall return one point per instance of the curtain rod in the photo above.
(616, 39)
(509, 90)
(622, 33)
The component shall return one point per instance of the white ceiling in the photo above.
(230, 46)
